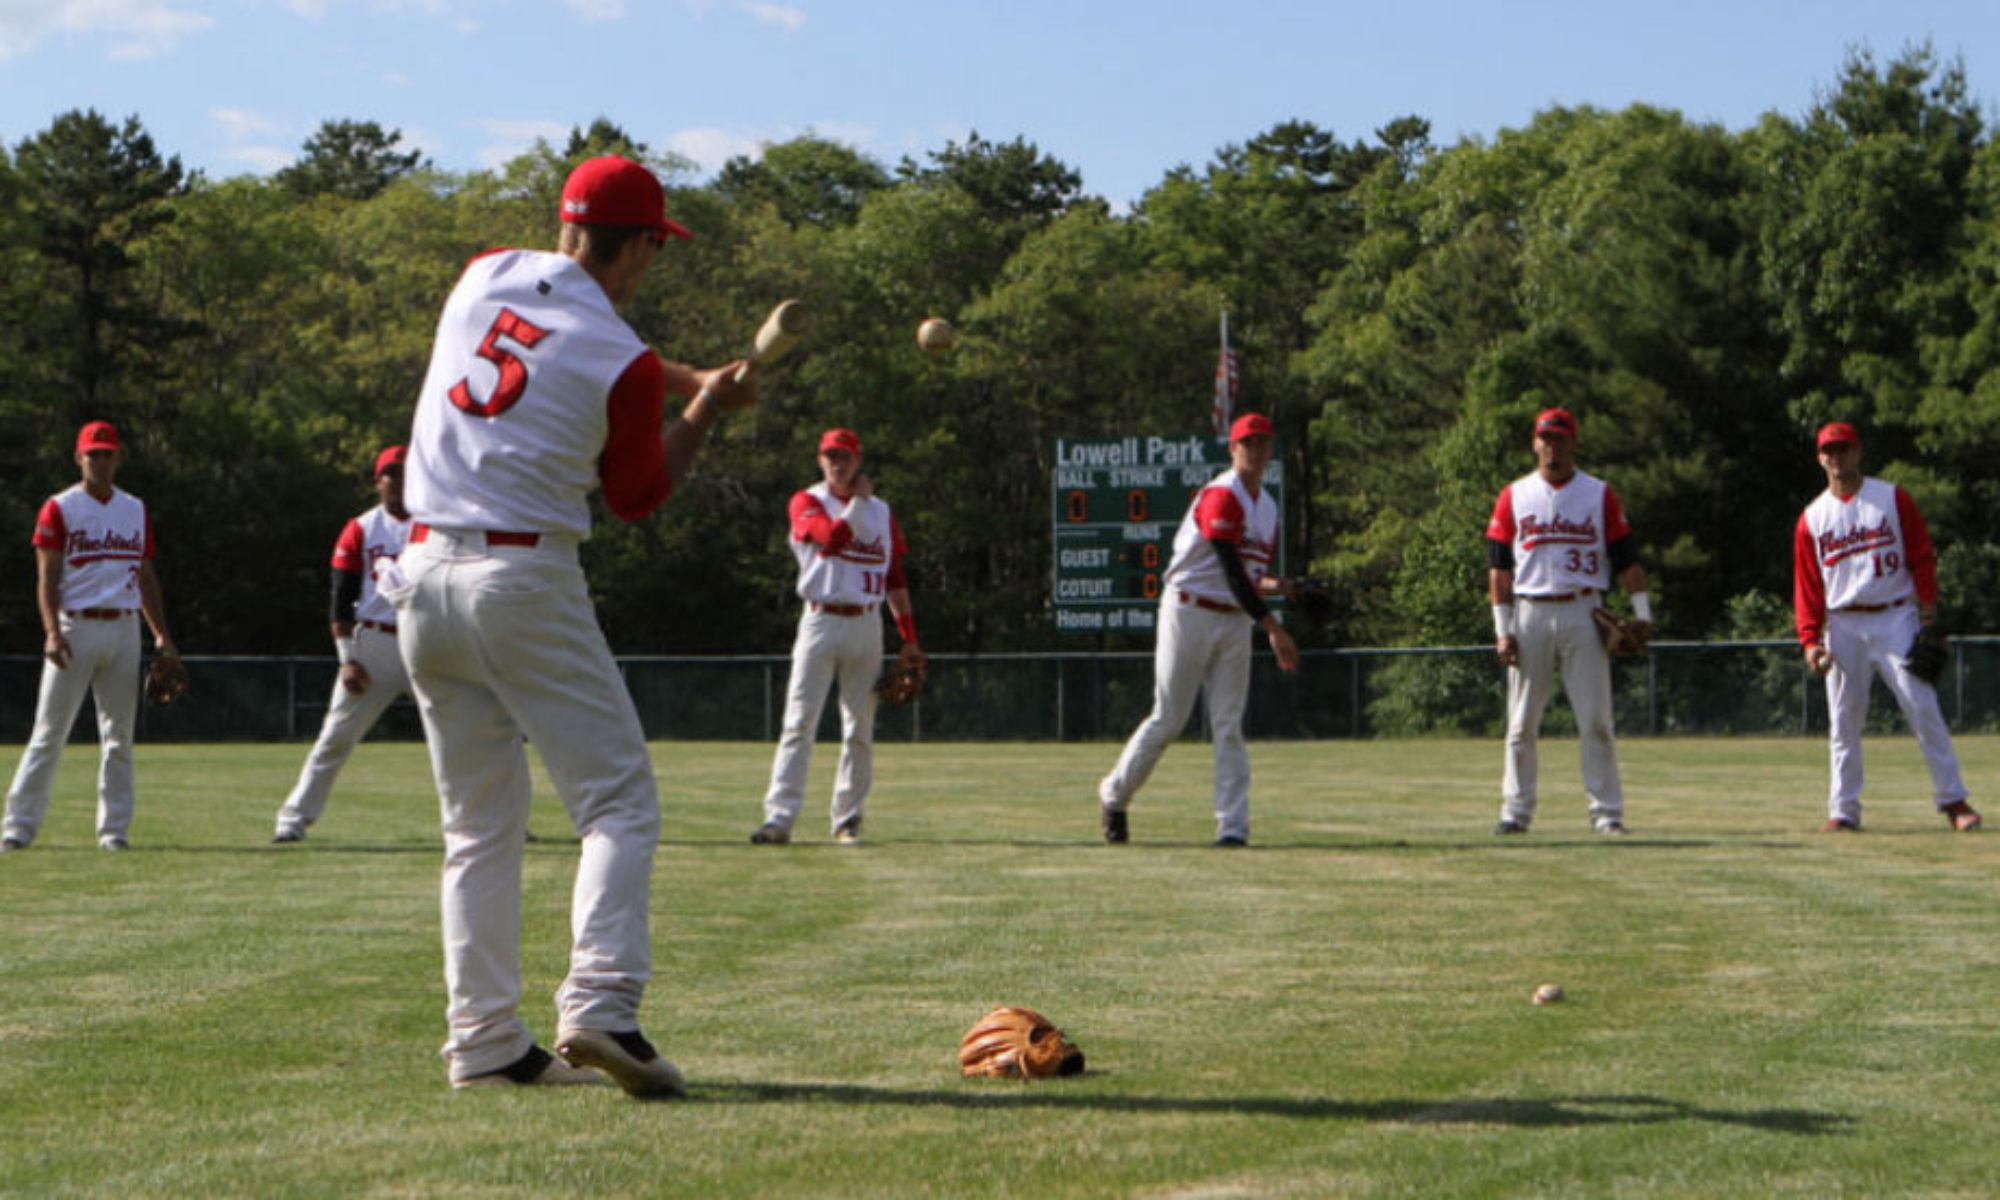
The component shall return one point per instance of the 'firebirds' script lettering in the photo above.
(1535, 530)
(1834, 546)
(83, 548)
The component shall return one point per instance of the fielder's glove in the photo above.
(1314, 598)
(166, 681)
(1019, 1043)
(903, 680)
(1928, 654)
(1623, 637)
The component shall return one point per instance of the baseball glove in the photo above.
(1019, 1043)
(1314, 598)
(1928, 654)
(903, 680)
(1623, 637)
(166, 681)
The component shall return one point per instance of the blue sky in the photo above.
(1120, 90)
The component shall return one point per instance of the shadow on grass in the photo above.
(1550, 1112)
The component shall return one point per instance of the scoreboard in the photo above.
(1116, 505)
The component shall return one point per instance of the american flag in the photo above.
(1228, 389)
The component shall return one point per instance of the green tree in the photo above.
(806, 181)
(352, 159)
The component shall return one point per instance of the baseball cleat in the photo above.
(1840, 825)
(536, 1068)
(627, 1057)
(1116, 829)
(1609, 826)
(7, 844)
(849, 833)
(1963, 817)
(287, 836)
(1231, 842)
(112, 841)
(769, 834)
(1507, 827)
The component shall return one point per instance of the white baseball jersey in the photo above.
(1560, 533)
(530, 336)
(857, 570)
(1225, 511)
(365, 543)
(1856, 548)
(102, 543)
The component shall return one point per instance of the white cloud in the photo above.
(597, 10)
(515, 137)
(240, 123)
(710, 148)
(263, 159)
(788, 17)
(139, 28)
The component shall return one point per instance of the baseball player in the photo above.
(1210, 599)
(850, 553)
(1864, 580)
(364, 639)
(1557, 538)
(538, 392)
(93, 580)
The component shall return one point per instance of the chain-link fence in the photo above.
(1680, 688)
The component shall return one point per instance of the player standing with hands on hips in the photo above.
(1211, 597)
(1557, 538)
(538, 392)
(1864, 584)
(364, 639)
(93, 572)
(850, 553)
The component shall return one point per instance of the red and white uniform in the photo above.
(1561, 537)
(103, 543)
(366, 544)
(850, 557)
(1860, 567)
(537, 393)
(1203, 648)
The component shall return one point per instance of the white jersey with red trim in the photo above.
(102, 543)
(365, 543)
(1859, 545)
(512, 417)
(1560, 533)
(857, 572)
(1223, 510)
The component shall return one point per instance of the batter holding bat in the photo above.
(538, 392)
(1865, 596)
(364, 639)
(1211, 598)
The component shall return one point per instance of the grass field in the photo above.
(1343, 1010)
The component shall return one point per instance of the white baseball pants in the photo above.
(828, 648)
(349, 717)
(104, 661)
(1204, 652)
(1862, 645)
(1560, 635)
(502, 643)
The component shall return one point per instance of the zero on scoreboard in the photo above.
(1116, 504)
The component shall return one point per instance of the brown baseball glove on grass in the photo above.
(1018, 1043)
(166, 681)
(1623, 637)
(903, 680)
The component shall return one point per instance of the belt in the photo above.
(843, 610)
(1874, 608)
(98, 614)
(1562, 597)
(1210, 605)
(382, 626)
(494, 537)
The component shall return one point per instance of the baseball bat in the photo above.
(779, 333)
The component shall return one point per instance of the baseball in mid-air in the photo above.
(1549, 993)
(936, 333)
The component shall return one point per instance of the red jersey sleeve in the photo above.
(811, 523)
(1219, 516)
(151, 545)
(348, 552)
(1808, 586)
(1501, 527)
(1917, 549)
(633, 467)
(50, 530)
(1615, 525)
(897, 548)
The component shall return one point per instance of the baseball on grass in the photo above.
(1549, 993)
(936, 333)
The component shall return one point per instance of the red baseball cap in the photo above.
(1555, 420)
(1836, 431)
(393, 456)
(840, 439)
(617, 191)
(1249, 425)
(98, 435)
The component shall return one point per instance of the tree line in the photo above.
(1701, 298)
